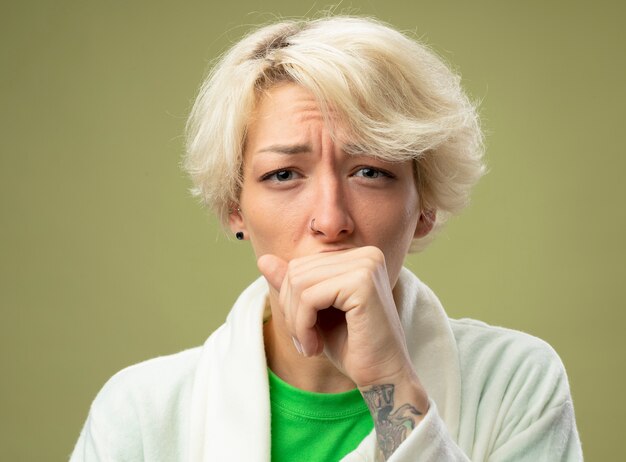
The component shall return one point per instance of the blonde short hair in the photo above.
(394, 96)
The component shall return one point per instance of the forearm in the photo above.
(397, 406)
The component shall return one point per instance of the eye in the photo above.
(367, 172)
(283, 175)
(280, 175)
(372, 173)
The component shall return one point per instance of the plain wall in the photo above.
(106, 260)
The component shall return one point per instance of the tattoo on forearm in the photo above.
(392, 427)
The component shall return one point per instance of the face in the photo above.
(294, 173)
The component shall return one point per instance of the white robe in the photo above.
(495, 394)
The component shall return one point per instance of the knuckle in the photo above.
(297, 281)
(305, 298)
(292, 265)
(363, 274)
(374, 255)
(377, 255)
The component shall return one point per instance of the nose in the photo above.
(331, 217)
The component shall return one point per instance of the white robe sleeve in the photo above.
(429, 442)
(552, 438)
(517, 407)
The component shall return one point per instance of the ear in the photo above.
(425, 224)
(235, 219)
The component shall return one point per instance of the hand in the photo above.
(341, 304)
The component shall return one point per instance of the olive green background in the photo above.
(106, 260)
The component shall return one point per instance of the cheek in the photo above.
(271, 227)
(277, 240)
(398, 231)
(394, 217)
(395, 228)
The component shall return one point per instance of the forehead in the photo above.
(283, 98)
(286, 111)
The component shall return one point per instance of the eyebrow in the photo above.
(287, 148)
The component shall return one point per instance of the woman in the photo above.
(335, 146)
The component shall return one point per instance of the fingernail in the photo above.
(297, 345)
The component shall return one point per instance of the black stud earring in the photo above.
(239, 235)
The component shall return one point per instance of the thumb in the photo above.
(273, 268)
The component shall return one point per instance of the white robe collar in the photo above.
(230, 415)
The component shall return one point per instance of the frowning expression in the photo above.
(294, 173)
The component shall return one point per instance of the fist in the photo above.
(341, 304)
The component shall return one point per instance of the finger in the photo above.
(307, 277)
(340, 255)
(319, 297)
(304, 275)
(273, 268)
(308, 270)
(317, 271)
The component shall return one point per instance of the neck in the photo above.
(316, 374)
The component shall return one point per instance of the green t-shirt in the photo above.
(313, 427)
